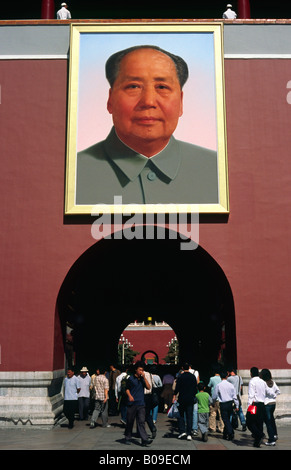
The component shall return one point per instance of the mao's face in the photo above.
(146, 100)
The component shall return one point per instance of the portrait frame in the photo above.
(77, 137)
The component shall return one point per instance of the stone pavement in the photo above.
(109, 441)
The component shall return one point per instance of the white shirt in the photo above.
(71, 387)
(237, 382)
(194, 372)
(225, 391)
(229, 14)
(272, 393)
(149, 378)
(118, 383)
(257, 390)
(84, 384)
(157, 381)
(63, 14)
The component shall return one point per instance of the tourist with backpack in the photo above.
(120, 393)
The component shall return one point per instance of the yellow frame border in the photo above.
(76, 29)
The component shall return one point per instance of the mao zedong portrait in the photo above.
(140, 159)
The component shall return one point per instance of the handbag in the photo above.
(252, 409)
(174, 411)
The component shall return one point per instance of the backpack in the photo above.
(123, 386)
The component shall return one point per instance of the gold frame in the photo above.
(77, 29)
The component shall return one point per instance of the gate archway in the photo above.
(117, 281)
(154, 358)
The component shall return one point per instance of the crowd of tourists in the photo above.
(138, 393)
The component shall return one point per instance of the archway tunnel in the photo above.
(116, 282)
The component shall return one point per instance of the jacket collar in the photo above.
(131, 163)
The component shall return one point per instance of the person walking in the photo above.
(256, 396)
(148, 397)
(184, 393)
(225, 393)
(114, 373)
(71, 391)
(157, 387)
(167, 392)
(195, 407)
(101, 386)
(135, 386)
(84, 382)
(214, 411)
(203, 401)
(237, 382)
(92, 390)
(120, 394)
(272, 391)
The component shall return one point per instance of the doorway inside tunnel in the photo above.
(117, 282)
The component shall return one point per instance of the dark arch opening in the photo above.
(143, 356)
(117, 281)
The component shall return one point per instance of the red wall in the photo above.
(253, 249)
(37, 249)
(143, 340)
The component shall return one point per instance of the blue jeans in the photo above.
(195, 417)
(241, 416)
(154, 413)
(84, 403)
(270, 422)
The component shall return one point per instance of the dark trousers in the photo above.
(255, 422)
(84, 403)
(113, 411)
(270, 421)
(148, 415)
(135, 412)
(185, 409)
(70, 408)
(226, 409)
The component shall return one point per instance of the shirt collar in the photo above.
(131, 163)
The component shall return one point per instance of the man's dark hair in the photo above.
(113, 63)
(139, 364)
(223, 374)
(200, 386)
(254, 372)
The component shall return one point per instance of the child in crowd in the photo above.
(204, 400)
